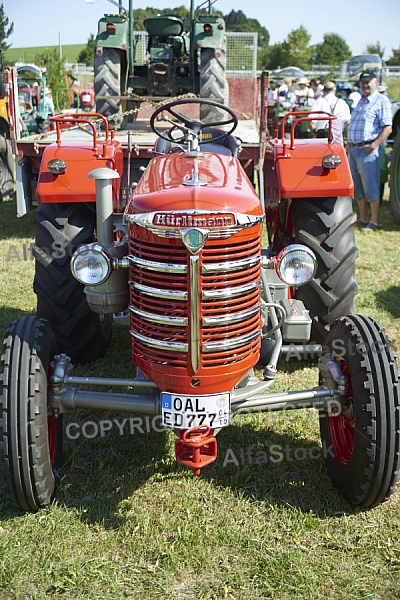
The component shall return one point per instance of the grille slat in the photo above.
(228, 300)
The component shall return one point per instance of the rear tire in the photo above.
(30, 439)
(213, 83)
(362, 443)
(61, 228)
(326, 226)
(107, 81)
(394, 181)
(7, 168)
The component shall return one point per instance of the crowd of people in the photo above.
(364, 122)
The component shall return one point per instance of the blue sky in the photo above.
(359, 22)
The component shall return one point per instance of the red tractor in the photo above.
(207, 298)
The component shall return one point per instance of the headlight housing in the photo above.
(56, 166)
(91, 264)
(296, 265)
(331, 161)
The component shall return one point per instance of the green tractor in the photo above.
(131, 67)
(395, 165)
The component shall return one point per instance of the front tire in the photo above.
(60, 229)
(362, 443)
(326, 225)
(30, 437)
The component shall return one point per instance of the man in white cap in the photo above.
(370, 126)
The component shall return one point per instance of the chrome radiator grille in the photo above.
(195, 311)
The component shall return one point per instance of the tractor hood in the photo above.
(182, 182)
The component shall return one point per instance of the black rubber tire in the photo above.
(362, 443)
(30, 440)
(394, 181)
(7, 168)
(107, 81)
(60, 229)
(326, 225)
(213, 82)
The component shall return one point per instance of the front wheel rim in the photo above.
(52, 436)
(342, 427)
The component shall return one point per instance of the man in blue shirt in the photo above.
(370, 126)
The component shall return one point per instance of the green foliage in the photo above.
(272, 57)
(236, 20)
(6, 29)
(375, 49)
(395, 58)
(86, 55)
(55, 73)
(332, 51)
(140, 14)
(296, 49)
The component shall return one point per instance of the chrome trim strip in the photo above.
(233, 343)
(158, 293)
(160, 344)
(161, 319)
(194, 268)
(146, 219)
(213, 234)
(233, 265)
(231, 318)
(156, 266)
(231, 292)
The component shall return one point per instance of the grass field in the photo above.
(129, 522)
(70, 53)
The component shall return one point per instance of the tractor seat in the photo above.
(227, 145)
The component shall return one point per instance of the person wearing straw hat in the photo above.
(304, 94)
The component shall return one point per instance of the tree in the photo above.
(375, 49)
(394, 60)
(236, 20)
(55, 75)
(296, 50)
(272, 57)
(140, 14)
(86, 55)
(332, 51)
(6, 29)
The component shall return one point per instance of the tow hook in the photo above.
(196, 447)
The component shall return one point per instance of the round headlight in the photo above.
(91, 264)
(296, 265)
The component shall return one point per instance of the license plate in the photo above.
(185, 412)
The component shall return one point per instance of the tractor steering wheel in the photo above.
(194, 125)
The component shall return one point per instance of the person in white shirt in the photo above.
(355, 97)
(304, 94)
(333, 105)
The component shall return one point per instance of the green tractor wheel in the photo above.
(107, 81)
(395, 180)
(213, 83)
